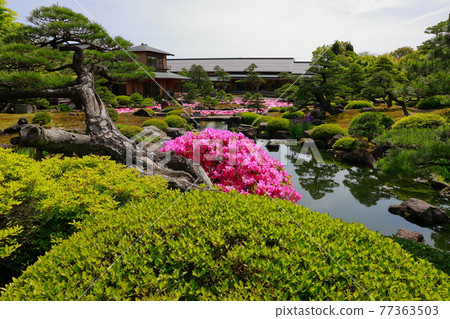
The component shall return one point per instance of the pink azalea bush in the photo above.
(235, 162)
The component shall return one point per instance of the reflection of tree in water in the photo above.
(317, 179)
(366, 186)
(441, 237)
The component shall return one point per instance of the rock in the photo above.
(184, 116)
(416, 209)
(367, 109)
(6, 146)
(334, 139)
(247, 130)
(154, 131)
(142, 112)
(359, 156)
(282, 135)
(262, 126)
(339, 107)
(307, 134)
(317, 113)
(22, 121)
(335, 111)
(234, 121)
(263, 135)
(273, 145)
(1, 133)
(445, 192)
(436, 183)
(15, 129)
(317, 122)
(410, 235)
(174, 132)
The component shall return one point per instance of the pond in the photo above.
(358, 194)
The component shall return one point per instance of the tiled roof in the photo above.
(265, 65)
(300, 67)
(169, 75)
(145, 48)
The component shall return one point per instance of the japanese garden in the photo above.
(120, 180)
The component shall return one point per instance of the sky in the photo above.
(258, 28)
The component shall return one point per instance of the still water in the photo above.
(356, 194)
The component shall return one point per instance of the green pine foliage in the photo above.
(370, 124)
(326, 131)
(113, 114)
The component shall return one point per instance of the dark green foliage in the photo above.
(288, 109)
(287, 92)
(416, 152)
(249, 117)
(257, 101)
(326, 131)
(113, 114)
(170, 108)
(370, 124)
(149, 111)
(65, 108)
(43, 104)
(247, 97)
(275, 109)
(161, 124)
(124, 100)
(278, 124)
(200, 78)
(434, 102)
(291, 115)
(219, 246)
(252, 77)
(148, 101)
(345, 144)
(208, 101)
(175, 112)
(130, 130)
(136, 98)
(41, 118)
(107, 96)
(358, 105)
(425, 120)
(175, 121)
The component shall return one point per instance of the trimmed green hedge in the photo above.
(41, 118)
(161, 124)
(275, 109)
(291, 115)
(358, 105)
(434, 102)
(249, 117)
(326, 131)
(370, 124)
(278, 124)
(113, 114)
(219, 246)
(130, 130)
(345, 144)
(425, 120)
(175, 121)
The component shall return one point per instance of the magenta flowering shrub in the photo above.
(235, 162)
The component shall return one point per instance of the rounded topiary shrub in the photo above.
(275, 109)
(262, 119)
(136, 98)
(288, 109)
(161, 124)
(113, 114)
(370, 124)
(326, 131)
(130, 130)
(433, 102)
(43, 104)
(249, 117)
(358, 105)
(420, 121)
(278, 124)
(149, 112)
(345, 144)
(176, 112)
(65, 108)
(41, 118)
(175, 121)
(124, 100)
(291, 115)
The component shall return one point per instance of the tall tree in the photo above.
(253, 77)
(201, 79)
(223, 77)
(59, 55)
(7, 20)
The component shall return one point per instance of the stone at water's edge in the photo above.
(359, 156)
(410, 235)
(419, 210)
(445, 192)
(248, 130)
(174, 132)
(1, 133)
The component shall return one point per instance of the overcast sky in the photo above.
(258, 28)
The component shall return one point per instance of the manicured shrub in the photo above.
(43, 104)
(107, 96)
(124, 100)
(235, 162)
(175, 121)
(291, 115)
(249, 117)
(170, 108)
(41, 118)
(136, 98)
(426, 120)
(275, 109)
(176, 112)
(41, 200)
(113, 114)
(345, 144)
(148, 101)
(370, 124)
(149, 111)
(130, 130)
(277, 124)
(358, 105)
(434, 102)
(326, 131)
(218, 246)
(288, 109)
(262, 119)
(65, 108)
(161, 124)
